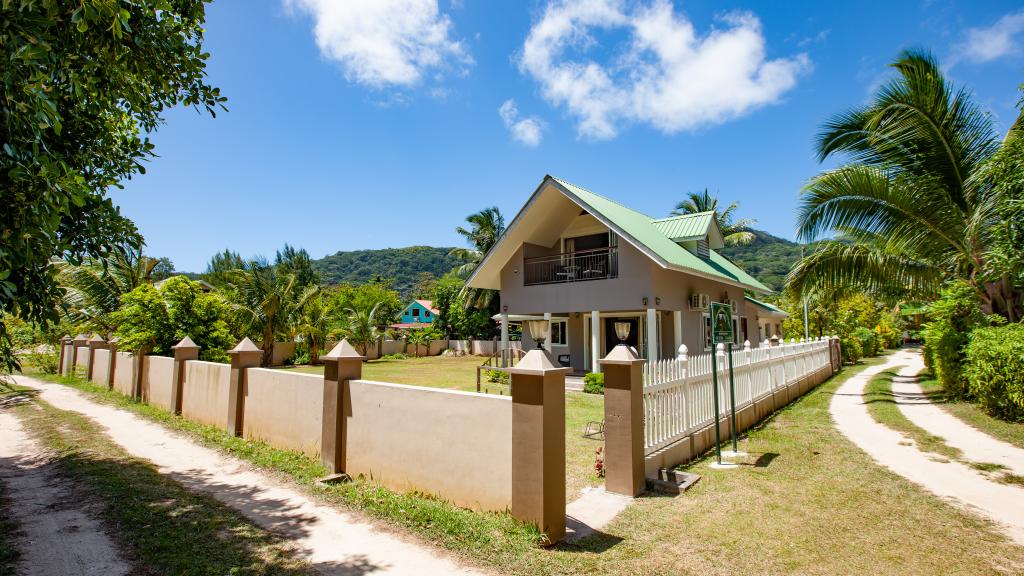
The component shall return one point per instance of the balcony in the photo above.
(578, 266)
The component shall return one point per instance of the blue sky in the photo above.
(383, 124)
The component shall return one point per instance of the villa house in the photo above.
(418, 314)
(586, 262)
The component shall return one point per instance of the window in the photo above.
(703, 249)
(415, 312)
(707, 332)
(559, 333)
(426, 314)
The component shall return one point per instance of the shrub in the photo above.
(593, 383)
(952, 317)
(868, 341)
(45, 362)
(994, 369)
(851, 349)
(497, 376)
(396, 356)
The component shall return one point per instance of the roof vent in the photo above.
(703, 251)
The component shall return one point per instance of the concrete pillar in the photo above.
(113, 346)
(623, 421)
(547, 334)
(504, 338)
(183, 352)
(341, 364)
(95, 343)
(538, 443)
(595, 341)
(652, 335)
(244, 356)
(64, 355)
(138, 368)
(677, 325)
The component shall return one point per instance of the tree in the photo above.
(419, 337)
(360, 327)
(297, 263)
(163, 269)
(221, 267)
(265, 301)
(486, 227)
(912, 203)
(84, 84)
(315, 320)
(734, 233)
(93, 290)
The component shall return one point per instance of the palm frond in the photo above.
(836, 266)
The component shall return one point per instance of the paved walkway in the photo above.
(956, 482)
(336, 543)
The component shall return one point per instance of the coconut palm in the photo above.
(360, 327)
(316, 314)
(265, 301)
(733, 232)
(911, 206)
(486, 227)
(93, 290)
(418, 337)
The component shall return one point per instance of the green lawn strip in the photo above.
(883, 408)
(484, 536)
(580, 409)
(971, 413)
(165, 528)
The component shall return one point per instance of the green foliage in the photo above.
(93, 290)
(396, 356)
(765, 257)
(155, 320)
(994, 369)
(952, 317)
(402, 266)
(84, 82)
(297, 263)
(868, 341)
(593, 383)
(851, 348)
(734, 232)
(366, 296)
(222, 266)
(265, 303)
(497, 376)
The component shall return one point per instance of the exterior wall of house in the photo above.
(674, 289)
(425, 315)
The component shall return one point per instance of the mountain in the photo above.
(402, 265)
(768, 258)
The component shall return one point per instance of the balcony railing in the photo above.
(596, 264)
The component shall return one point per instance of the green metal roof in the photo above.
(645, 231)
(765, 305)
(686, 226)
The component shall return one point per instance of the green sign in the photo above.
(721, 323)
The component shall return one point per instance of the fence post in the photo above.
(78, 341)
(63, 357)
(623, 421)
(538, 443)
(183, 352)
(244, 356)
(683, 357)
(750, 371)
(95, 343)
(112, 367)
(341, 364)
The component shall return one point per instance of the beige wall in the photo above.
(204, 398)
(157, 372)
(82, 359)
(101, 369)
(284, 409)
(123, 373)
(457, 445)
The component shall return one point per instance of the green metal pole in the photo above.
(714, 383)
(732, 394)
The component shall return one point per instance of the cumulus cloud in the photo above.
(526, 131)
(385, 43)
(665, 74)
(998, 40)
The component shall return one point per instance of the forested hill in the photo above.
(768, 258)
(403, 265)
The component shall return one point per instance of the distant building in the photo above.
(417, 314)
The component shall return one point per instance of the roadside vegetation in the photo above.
(882, 406)
(973, 414)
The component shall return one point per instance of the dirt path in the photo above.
(1001, 503)
(975, 445)
(58, 534)
(336, 543)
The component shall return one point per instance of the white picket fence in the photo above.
(678, 393)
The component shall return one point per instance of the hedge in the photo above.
(593, 383)
(994, 370)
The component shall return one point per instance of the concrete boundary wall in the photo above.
(157, 374)
(124, 372)
(457, 445)
(82, 359)
(284, 409)
(204, 397)
(702, 440)
(101, 369)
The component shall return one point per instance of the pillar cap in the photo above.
(96, 338)
(82, 336)
(186, 342)
(343, 350)
(244, 346)
(621, 354)
(65, 338)
(537, 362)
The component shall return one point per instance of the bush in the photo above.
(851, 348)
(868, 341)
(994, 369)
(497, 376)
(396, 356)
(45, 362)
(593, 383)
(952, 317)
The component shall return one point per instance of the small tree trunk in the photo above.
(314, 352)
(268, 346)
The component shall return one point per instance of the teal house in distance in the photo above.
(417, 314)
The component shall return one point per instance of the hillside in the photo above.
(402, 265)
(768, 258)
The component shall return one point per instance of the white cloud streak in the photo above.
(986, 44)
(665, 74)
(526, 131)
(385, 43)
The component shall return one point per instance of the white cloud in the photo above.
(526, 131)
(384, 43)
(986, 44)
(665, 75)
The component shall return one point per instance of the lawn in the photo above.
(971, 413)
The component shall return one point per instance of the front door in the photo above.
(610, 338)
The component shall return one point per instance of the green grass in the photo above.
(163, 527)
(971, 413)
(449, 372)
(883, 408)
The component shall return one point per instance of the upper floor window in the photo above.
(426, 314)
(415, 312)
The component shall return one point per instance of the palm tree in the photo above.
(360, 327)
(316, 314)
(93, 290)
(418, 337)
(733, 233)
(265, 300)
(486, 227)
(911, 207)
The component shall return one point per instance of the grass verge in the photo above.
(164, 528)
(883, 408)
(971, 413)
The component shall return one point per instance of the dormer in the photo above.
(698, 233)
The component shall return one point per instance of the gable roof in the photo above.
(769, 308)
(687, 227)
(428, 304)
(638, 229)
